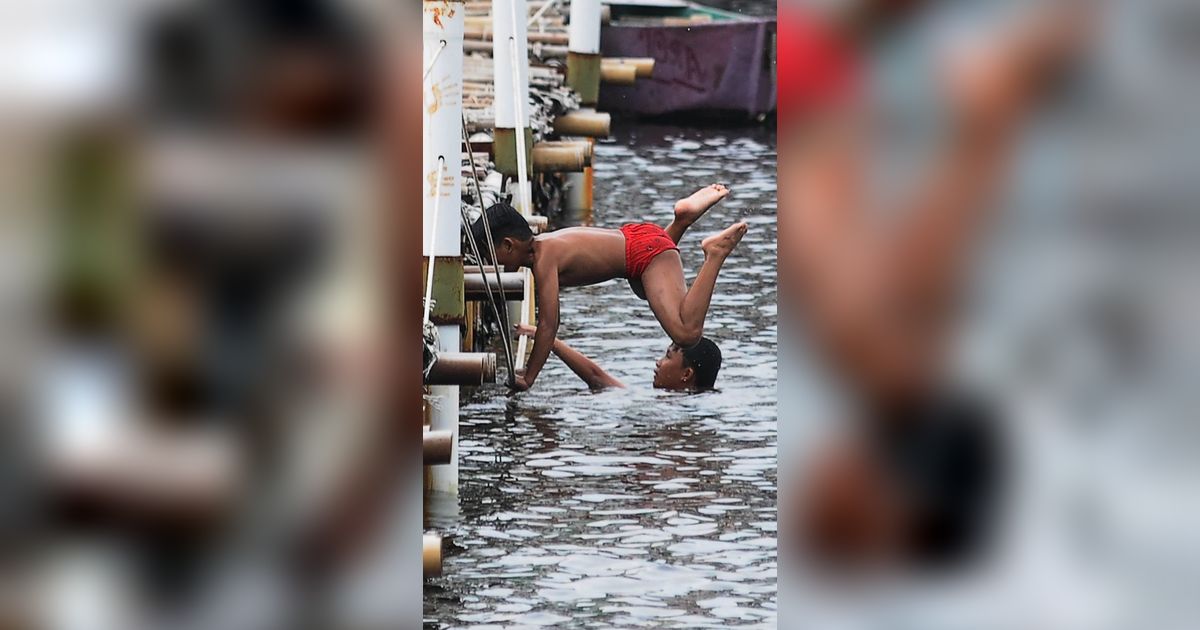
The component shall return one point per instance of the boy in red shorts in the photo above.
(645, 254)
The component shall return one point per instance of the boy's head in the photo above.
(511, 236)
(693, 369)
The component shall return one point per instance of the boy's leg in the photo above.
(680, 310)
(691, 208)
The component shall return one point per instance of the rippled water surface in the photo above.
(631, 508)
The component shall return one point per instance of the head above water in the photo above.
(511, 236)
(689, 369)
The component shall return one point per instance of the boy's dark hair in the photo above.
(705, 360)
(505, 222)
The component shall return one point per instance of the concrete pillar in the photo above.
(513, 142)
(583, 50)
(509, 121)
(442, 28)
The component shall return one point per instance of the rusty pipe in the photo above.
(431, 555)
(618, 74)
(580, 145)
(560, 159)
(437, 446)
(463, 368)
(583, 123)
(644, 65)
(513, 285)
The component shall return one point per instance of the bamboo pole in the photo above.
(536, 38)
(542, 51)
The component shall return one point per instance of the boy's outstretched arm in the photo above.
(580, 364)
(545, 276)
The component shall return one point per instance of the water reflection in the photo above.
(636, 508)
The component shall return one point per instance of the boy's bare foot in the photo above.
(993, 79)
(721, 244)
(689, 209)
(983, 82)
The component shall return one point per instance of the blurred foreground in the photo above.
(200, 427)
(988, 240)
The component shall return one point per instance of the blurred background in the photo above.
(1074, 316)
(199, 418)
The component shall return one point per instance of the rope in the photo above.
(437, 202)
(522, 342)
(500, 313)
(433, 61)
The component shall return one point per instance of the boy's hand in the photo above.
(519, 384)
(525, 329)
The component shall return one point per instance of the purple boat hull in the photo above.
(714, 67)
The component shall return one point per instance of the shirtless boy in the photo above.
(645, 254)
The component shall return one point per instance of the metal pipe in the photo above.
(560, 159)
(512, 285)
(644, 65)
(583, 122)
(582, 144)
(618, 74)
(462, 368)
(431, 555)
(437, 447)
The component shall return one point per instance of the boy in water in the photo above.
(645, 254)
(691, 369)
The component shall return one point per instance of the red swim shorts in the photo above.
(643, 241)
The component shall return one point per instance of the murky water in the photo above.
(632, 508)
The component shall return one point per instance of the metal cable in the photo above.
(501, 313)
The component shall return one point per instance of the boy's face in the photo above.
(670, 372)
(510, 254)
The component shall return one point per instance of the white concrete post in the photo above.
(512, 121)
(583, 50)
(442, 27)
(583, 75)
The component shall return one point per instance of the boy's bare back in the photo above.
(582, 255)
